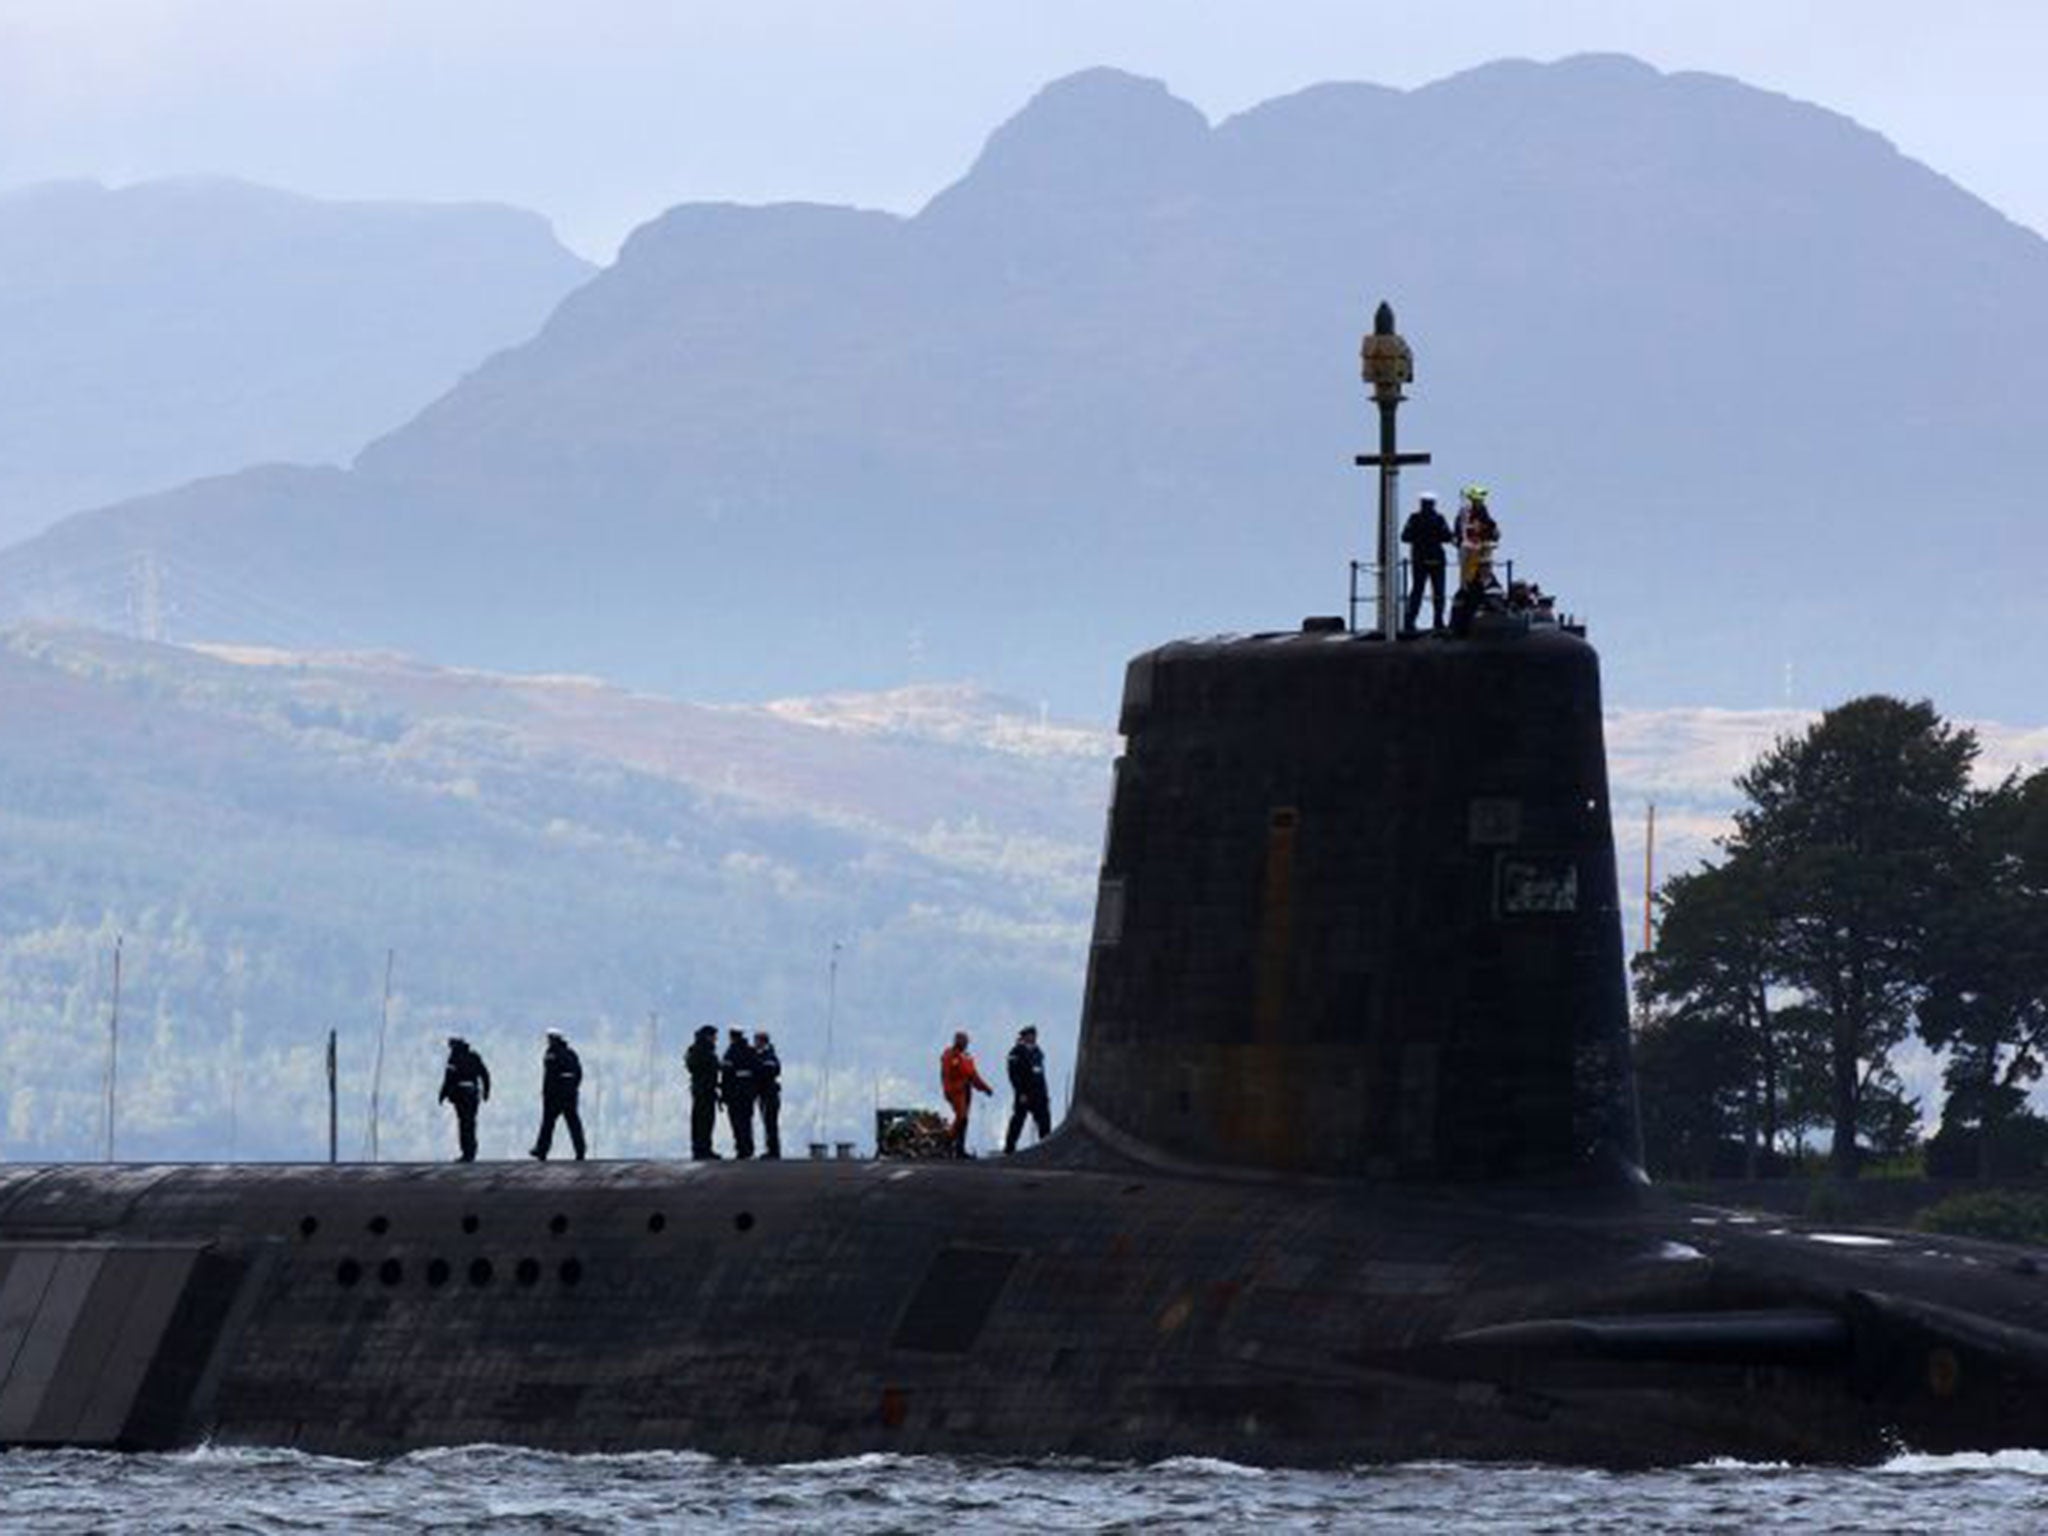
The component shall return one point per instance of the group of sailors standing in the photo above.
(746, 1080)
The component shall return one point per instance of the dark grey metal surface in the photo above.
(1361, 911)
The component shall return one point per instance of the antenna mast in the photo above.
(1387, 363)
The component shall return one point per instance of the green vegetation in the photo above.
(2002, 1215)
(1868, 895)
(539, 853)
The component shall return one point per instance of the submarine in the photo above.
(1350, 1174)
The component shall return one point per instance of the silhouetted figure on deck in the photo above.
(1028, 1096)
(561, 1080)
(465, 1084)
(1426, 533)
(768, 1093)
(701, 1062)
(736, 1084)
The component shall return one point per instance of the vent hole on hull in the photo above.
(308, 1225)
(558, 1224)
(470, 1224)
(348, 1272)
(572, 1271)
(380, 1225)
(657, 1222)
(744, 1222)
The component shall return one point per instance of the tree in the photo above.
(1713, 962)
(1987, 1002)
(1695, 1078)
(1856, 828)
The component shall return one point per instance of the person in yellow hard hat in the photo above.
(1477, 535)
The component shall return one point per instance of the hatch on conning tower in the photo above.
(1357, 910)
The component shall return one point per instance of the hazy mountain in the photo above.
(178, 328)
(1753, 391)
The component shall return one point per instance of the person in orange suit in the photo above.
(960, 1080)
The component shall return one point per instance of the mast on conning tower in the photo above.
(1387, 364)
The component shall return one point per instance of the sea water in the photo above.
(505, 1489)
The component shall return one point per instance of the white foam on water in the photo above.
(865, 1461)
(2026, 1463)
(1207, 1466)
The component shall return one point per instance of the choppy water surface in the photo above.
(513, 1490)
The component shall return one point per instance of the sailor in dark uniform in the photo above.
(561, 1079)
(768, 1093)
(1027, 1088)
(465, 1084)
(701, 1062)
(737, 1088)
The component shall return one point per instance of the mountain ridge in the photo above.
(165, 329)
(1711, 346)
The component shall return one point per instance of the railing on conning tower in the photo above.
(1502, 593)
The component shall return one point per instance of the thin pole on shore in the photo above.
(113, 1054)
(831, 1006)
(333, 1104)
(377, 1072)
(1649, 876)
(647, 1075)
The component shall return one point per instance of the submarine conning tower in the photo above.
(1357, 910)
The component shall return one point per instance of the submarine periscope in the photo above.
(1351, 1174)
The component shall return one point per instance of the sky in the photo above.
(602, 113)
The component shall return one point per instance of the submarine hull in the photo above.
(1067, 1303)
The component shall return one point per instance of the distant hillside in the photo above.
(178, 328)
(540, 852)
(1753, 391)
(550, 852)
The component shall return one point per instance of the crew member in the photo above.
(768, 1093)
(465, 1084)
(736, 1084)
(959, 1080)
(561, 1081)
(1426, 533)
(1477, 535)
(701, 1062)
(1027, 1084)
